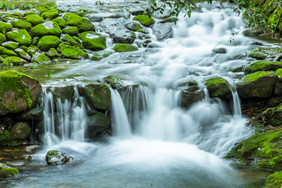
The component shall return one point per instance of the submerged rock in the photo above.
(97, 124)
(6, 171)
(55, 157)
(163, 31)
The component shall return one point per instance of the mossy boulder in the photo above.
(10, 45)
(55, 157)
(5, 51)
(35, 41)
(46, 28)
(32, 50)
(61, 22)
(5, 27)
(41, 9)
(135, 26)
(13, 61)
(144, 20)
(191, 95)
(21, 53)
(20, 35)
(50, 14)
(262, 53)
(52, 53)
(2, 38)
(97, 56)
(257, 85)
(34, 19)
(218, 87)
(274, 180)
(72, 30)
(21, 24)
(263, 66)
(93, 41)
(114, 81)
(20, 130)
(125, 48)
(68, 39)
(261, 149)
(83, 24)
(18, 92)
(6, 171)
(40, 58)
(72, 52)
(98, 96)
(97, 124)
(47, 42)
(270, 117)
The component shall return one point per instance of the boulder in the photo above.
(21, 53)
(93, 41)
(33, 114)
(32, 50)
(219, 51)
(65, 93)
(55, 157)
(5, 27)
(98, 96)
(52, 53)
(257, 85)
(123, 36)
(71, 30)
(40, 58)
(263, 66)
(20, 130)
(97, 124)
(14, 61)
(6, 171)
(50, 14)
(191, 95)
(46, 28)
(34, 19)
(2, 38)
(218, 87)
(68, 39)
(5, 51)
(35, 41)
(83, 24)
(114, 81)
(20, 24)
(163, 31)
(61, 22)
(18, 92)
(125, 48)
(144, 20)
(10, 45)
(71, 52)
(20, 35)
(47, 42)
(169, 20)
(135, 26)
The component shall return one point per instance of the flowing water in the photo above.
(155, 142)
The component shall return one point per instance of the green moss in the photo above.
(83, 24)
(10, 45)
(279, 72)
(218, 87)
(114, 81)
(21, 24)
(13, 60)
(35, 41)
(263, 66)
(67, 38)
(274, 180)
(5, 27)
(47, 28)
(47, 42)
(41, 58)
(144, 20)
(100, 55)
(93, 41)
(71, 30)
(6, 136)
(32, 50)
(125, 48)
(34, 19)
(50, 14)
(61, 22)
(52, 152)
(274, 163)
(171, 19)
(52, 53)
(6, 171)
(72, 52)
(21, 36)
(2, 38)
(5, 51)
(254, 76)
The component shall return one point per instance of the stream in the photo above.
(155, 142)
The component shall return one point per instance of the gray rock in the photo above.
(20, 130)
(97, 124)
(163, 31)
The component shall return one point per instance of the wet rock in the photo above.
(191, 95)
(123, 36)
(163, 31)
(10, 45)
(19, 92)
(257, 85)
(137, 11)
(83, 24)
(72, 31)
(262, 66)
(35, 41)
(34, 19)
(219, 50)
(20, 130)
(33, 114)
(169, 20)
(114, 81)
(125, 48)
(20, 24)
(6, 171)
(19, 35)
(50, 14)
(98, 96)
(135, 26)
(40, 58)
(47, 42)
(97, 56)
(262, 53)
(71, 52)
(252, 32)
(46, 28)
(93, 41)
(55, 157)
(63, 93)
(218, 87)
(97, 124)
(278, 85)
(144, 20)
(13, 61)
(269, 117)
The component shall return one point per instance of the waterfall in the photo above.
(63, 120)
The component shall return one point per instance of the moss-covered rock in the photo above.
(274, 180)
(46, 28)
(34, 19)
(32, 50)
(72, 30)
(98, 96)
(144, 20)
(10, 45)
(6, 171)
(170, 19)
(135, 26)
(97, 56)
(13, 61)
(83, 24)
(21, 53)
(218, 87)
(41, 9)
(20, 130)
(18, 92)
(20, 35)
(40, 58)
(47, 42)
(50, 14)
(125, 48)
(97, 124)
(35, 41)
(52, 53)
(257, 85)
(21, 24)
(5, 51)
(5, 27)
(71, 52)
(114, 81)
(2, 38)
(262, 52)
(191, 95)
(68, 39)
(273, 19)
(55, 157)
(61, 22)
(263, 66)
(93, 41)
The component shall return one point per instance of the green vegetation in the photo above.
(34, 19)
(274, 180)
(263, 66)
(254, 76)
(218, 87)
(144, 20)
(20, 35)
(93, 41)
(83, 24)
(125, 48)
(6, 171)
(47, 42)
